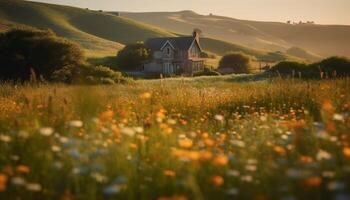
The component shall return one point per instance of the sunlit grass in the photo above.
(201, 138)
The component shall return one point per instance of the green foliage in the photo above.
(237, 61)
(87, 74)
(207, 72)
(24, 51)
(330, 67)
(288, 67)
(132, 56)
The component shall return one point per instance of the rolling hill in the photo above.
(100, 32)
(324, 40)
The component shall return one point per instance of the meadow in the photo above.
(177, 139)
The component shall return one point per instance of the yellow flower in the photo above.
(185, 143)
(220, 160)
(145, 95)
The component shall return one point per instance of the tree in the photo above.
(238, 62)
(24, 51)
(132, 56)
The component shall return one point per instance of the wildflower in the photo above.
(3, 182)
(252, 168)
(346, 152)
(175, 197)
(238, 143)
(233, 173)
(232, 191)
(279, 150)
(18, 181)
(209, 142)
(169, 173)
(323, 155)
(247, 178)
(56, 148)
(138, 129)
(76, 124)
(106, 116)
(128, 131)
(46, 131)
(185, 143)
(5, 138)
(220, 160)
(99, 177)
(133, 145)
(23, 169)
(219, 118)
(313, 181)
(205, 155)
(145, 95)
(263, 118)
(217, 180)
(112, 190)
(35, 187)
(338, 117)
(306, 159)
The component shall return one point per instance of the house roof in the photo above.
(183, 43)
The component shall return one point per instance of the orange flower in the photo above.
(209, 142)
(280, 150)
(313, 181)
(169, 173)
(23, 169)
(185, 143)
(205, 155)
(217, 180)
(328, 107)
(175, 197)
(133, 146)
(3, 181)
(306, 159)
(346, 152)
(106, 116)
(220, 160)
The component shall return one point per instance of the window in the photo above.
(168, 50)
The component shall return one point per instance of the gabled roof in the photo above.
(182, 43)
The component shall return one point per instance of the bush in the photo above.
(288, 67)
(87, 74)
(207, 72)
(339, 66)
(132, 56)
(28, 51)
(333, 67)
(239, 63)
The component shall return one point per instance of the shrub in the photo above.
(207, 72)
(288, 67)
(339, 66)
(238, 62)
(26, 51)
(132, 56)
(89, 74)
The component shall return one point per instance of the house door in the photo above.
(168, 68)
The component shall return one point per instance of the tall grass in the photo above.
(201, 138)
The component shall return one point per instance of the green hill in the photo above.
(96, 31)
(100, 32)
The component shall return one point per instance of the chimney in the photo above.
(196, 33)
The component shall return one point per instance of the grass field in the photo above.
(176, 139)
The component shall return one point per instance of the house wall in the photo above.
(194, 50)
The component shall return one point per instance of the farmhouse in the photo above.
(175, 55)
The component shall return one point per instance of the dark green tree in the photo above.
(26, 51)
(238, 62)
(132, 56)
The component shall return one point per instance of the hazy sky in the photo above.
(320, 11)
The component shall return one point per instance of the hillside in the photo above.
(99, 31)
(94, 30)
(324, 40)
